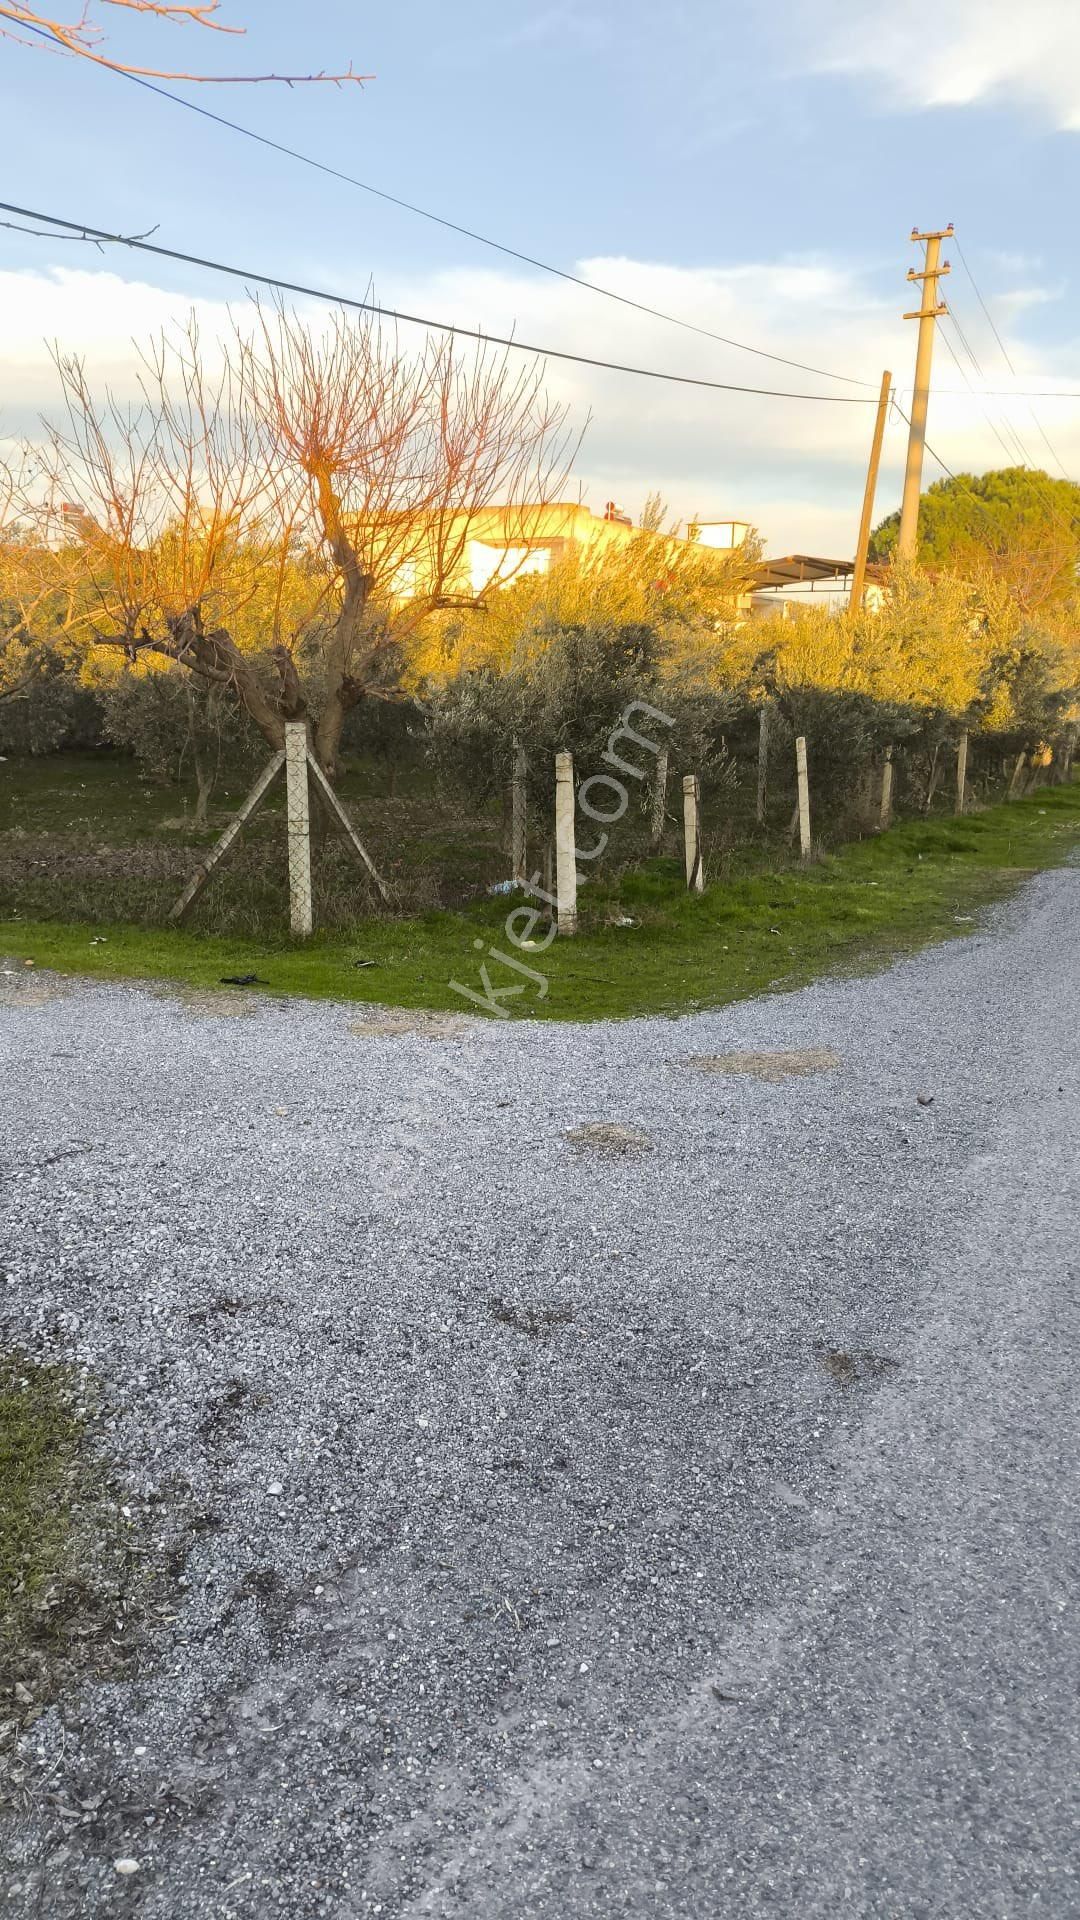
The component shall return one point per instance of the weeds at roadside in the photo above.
(81, 1583)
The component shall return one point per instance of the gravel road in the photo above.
(567, 1531)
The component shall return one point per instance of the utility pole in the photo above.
(927, 316)
(858, 577)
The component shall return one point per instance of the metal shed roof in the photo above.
(795, 569)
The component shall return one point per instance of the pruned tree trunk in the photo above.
(206, 765)
(934, 777)
(961, 772)
(328, 729)
(659, 801)
(885, 807)
(204, 787)
(762, 764)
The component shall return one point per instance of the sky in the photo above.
(755, 171)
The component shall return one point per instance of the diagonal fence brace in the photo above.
(232, 832)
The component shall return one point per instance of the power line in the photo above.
(936, 457)
(955, 477)
(561, 273)
(949, 312)
(985, 308)
(1004, 393)
(1046, 440)
(469, 233)
(1017, 448)
(1051, 449)
(99, 235)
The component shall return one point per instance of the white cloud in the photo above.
(794, 469)
(948, 53)
(97, 315)
(561, 26)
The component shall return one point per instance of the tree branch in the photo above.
(83, 36)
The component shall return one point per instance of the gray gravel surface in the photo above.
(672, 1527)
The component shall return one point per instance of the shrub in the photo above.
(176, 725)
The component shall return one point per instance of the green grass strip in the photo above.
(857, 909)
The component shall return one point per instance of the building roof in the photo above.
(800, 568)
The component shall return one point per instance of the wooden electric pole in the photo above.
(858, 577)
(927, 316)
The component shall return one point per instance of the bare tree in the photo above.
(83, 37)
(339, 460)
(399, 457)
(39, 587)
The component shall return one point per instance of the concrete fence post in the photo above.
(298, 824)
(886, 790)
(961, 773)
(804, 796)
(691, 805)
(1017, 774)
(519, 853)
(565, 845)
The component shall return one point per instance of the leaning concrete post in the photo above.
(298, 820)
(1017, 774)
(565, 844)
(518, 837)
(691, 807)
(804, 797)
(886, 790)
(961, 773)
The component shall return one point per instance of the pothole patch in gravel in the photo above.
(390, 1022)
(19, 987)
(225, 1411)
(794, 1063)
(532, 1320)
(610, 1137)
(850, 1369)
(231, 1306)
(206, 1003)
